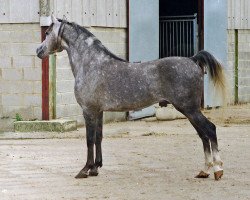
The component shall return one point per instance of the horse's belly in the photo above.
(127, 103)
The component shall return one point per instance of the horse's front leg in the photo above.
(90, 122)
(98, 147)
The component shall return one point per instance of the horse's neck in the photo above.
(80, 57)
(83, 51)
(80, 54)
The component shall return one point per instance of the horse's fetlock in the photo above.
(210, 164)
(219, 162)
(98, 163)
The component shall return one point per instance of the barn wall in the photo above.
(239, 18)
(104, 13)
(101, 13)
(20, 72)
(238, 14)
(243, 63)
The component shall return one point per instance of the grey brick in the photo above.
(68, 110)
(34, 74)
(32, 100)
(68, 98)
(23, 61)
(25, 49)
(5, 49)
(5, 36)
(37, 110)
(24, 36)
(12, 74)
(5, 62)
(24, 111)
(12, 100)
(64, 74)
(37, 87)
(17, 87)
(65, 86)
(62, 61)
(38, 62)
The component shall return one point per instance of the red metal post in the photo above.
(45, 81)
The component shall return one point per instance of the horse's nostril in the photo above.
(38, 50)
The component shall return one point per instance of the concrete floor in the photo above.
(142, 160)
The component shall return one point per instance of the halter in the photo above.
(60, 32)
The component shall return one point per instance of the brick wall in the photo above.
(66, 106)
(243, 63)
(20, 71)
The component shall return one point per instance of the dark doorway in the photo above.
(181, 27)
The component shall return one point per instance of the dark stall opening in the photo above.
(181, 27)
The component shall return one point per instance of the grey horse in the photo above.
(105, 82)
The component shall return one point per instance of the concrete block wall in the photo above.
(231, 66)
(66, 106)
(20, 71)
(243, 63)
(244, 66)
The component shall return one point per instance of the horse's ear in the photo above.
(53, 19)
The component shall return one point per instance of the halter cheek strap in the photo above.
(60, 32)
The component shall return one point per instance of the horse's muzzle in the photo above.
(40, 52)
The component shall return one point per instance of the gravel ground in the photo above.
(142, 160)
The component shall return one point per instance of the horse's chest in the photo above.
(85, 91)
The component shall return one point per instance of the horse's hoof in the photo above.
(202, 174)
(82, 174)
(93, 172)
(218, 175)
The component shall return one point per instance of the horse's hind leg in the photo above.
(98, 142)
(207, 132)
(207, 152)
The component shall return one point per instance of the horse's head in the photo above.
(52, 42)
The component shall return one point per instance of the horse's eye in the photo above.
(46, 33)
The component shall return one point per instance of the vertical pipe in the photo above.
(183, 39)
(170, 39)
(236, 80)
(174, 46)
(52, 86)
(163, 39)
(180, 38)
(195, 34)
(160, 38)
(166, 24)
(190, 38)
(177, 37)
(187, 38)
(201, 26)
(44, 6)
(128, 39)
(45, 81)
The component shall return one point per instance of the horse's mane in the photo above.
(97, 42)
